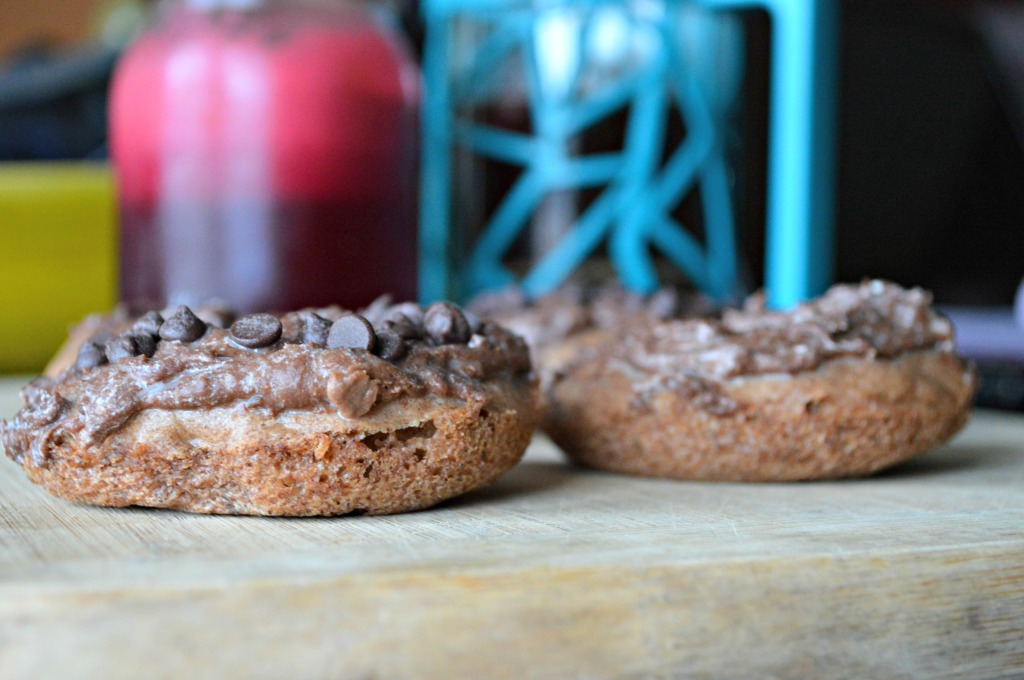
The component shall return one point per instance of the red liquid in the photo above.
(267, 159)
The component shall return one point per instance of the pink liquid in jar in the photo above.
(266, 158)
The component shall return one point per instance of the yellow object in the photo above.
(58, 255)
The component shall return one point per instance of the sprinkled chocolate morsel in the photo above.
(90, 355)
(146, 343)
(390, 346)
(121, 347)
(377, 311)
(404, 327)
(148, 324)
(410, 310)
(256, 330)
(446, 324)
(217, 315)
(126, 346)
(351, 332)
(313, 329)
(182, 326)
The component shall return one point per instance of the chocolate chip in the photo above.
(146, 343)
(90, 355)
(351, 332)
(487, 328)
(390, 346)
(410, 310)
(404, 327)
(377, 310)
(122, 347)
(148, 324)
(313, 329)
(446, 324)
(216, 315)
(127, 345)
(256, 330)
(182, 326)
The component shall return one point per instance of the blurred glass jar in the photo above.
(573, 140)
(265, 154)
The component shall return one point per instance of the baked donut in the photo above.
(845, 385)
(317, 412)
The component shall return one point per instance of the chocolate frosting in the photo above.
(550, 319)
(873, 320)
(290, 374)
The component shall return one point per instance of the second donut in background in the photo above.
(855, 381)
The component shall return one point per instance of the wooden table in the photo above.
(554, 572)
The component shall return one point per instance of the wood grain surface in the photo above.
(554, 572)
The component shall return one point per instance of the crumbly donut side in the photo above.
(409, 455)
(846, 418)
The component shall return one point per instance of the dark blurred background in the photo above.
(931, 169)
(931, 173)
(931, 130)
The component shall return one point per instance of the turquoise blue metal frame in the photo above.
(639, 197)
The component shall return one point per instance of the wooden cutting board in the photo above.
(554, 572)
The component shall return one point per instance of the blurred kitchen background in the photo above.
(930, 163)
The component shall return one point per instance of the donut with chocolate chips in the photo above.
(860, 379)
(316, 412)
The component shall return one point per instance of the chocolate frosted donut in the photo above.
(317, 412)
(845, 385)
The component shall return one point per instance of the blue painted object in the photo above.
(566, 93)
